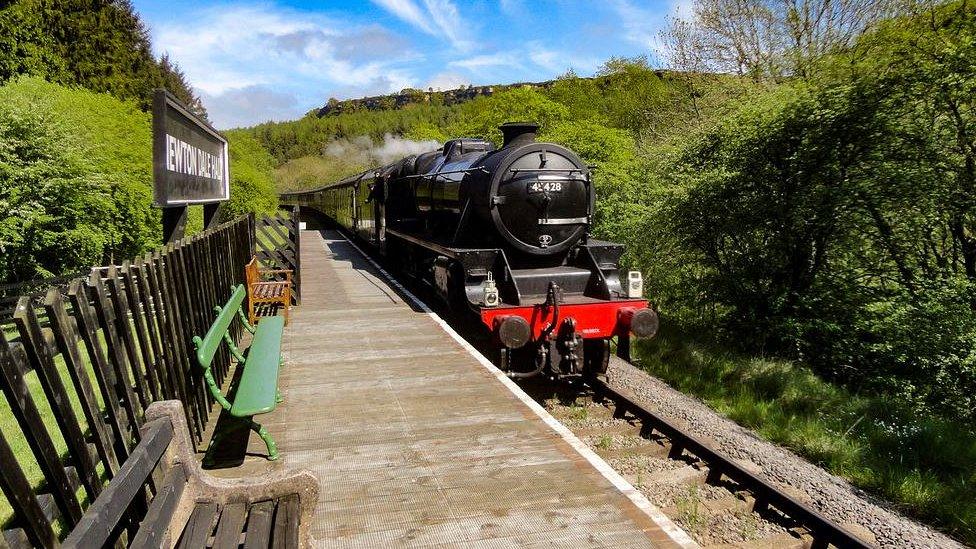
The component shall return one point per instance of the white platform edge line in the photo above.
(677, 535)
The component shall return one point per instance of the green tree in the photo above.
(252, 177)
(101, 45)
(833, 221)
(482, 116)
(53, 203)
(103, 171)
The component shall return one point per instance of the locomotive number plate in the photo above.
(546, 187)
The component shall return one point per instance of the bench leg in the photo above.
(266, 436)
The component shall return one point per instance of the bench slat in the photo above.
(200, 525)
(152, 532)
(106, 512)
(257, 390)
(286, 523)
(230, 526)
(259, 525)
(215, 335)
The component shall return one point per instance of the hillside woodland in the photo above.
(76, 82)
(802, 205)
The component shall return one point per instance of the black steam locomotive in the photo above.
(502, 233)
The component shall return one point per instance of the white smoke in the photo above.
(357, 147)
(362, 150)
(395, 147)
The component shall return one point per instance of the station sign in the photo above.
(190, 162)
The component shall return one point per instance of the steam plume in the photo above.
(362, 149)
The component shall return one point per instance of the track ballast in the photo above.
(715, 498)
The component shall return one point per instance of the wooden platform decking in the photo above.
(418, 442)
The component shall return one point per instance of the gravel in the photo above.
(831, 495)
(615, 442)
(727, 527)
(633, 465)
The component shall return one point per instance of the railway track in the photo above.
(717, 500)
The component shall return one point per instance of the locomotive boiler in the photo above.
(502, 234)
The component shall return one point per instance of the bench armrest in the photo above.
(203, 486)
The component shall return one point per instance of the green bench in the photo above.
(257, 391)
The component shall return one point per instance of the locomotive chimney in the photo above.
(518, 133)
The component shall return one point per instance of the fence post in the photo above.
(296, 220)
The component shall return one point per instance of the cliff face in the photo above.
(411, 96)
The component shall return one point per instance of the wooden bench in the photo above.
(190, 508)
(262, 292)
(257, 389)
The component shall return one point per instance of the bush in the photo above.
(252, 187)
(482, 116)
(831, 220)
(77, 180)
(55, 206)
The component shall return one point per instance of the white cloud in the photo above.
(511, 7)
(447, 18)
(447, 81)
(409, 12)
(252, 57)
(525, 63)
(439, 18)
(640, 25)
(245, 106)
(501, 59)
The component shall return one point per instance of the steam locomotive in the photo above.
(503, 234)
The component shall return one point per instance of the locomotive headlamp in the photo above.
(635, 285)
(491, 292)
(513, 331)
(640, 322)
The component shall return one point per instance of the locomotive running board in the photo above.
(453, 253)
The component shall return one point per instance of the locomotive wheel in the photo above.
(596, 357)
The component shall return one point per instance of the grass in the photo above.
(577, 412)
(924, 465)
(689, 508)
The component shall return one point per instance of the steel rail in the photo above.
(824, 530)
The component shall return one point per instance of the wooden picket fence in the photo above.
(80, 364)
(10, 294)
(279, 247)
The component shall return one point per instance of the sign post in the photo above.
(190, 165)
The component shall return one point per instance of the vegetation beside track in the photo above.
(921, 464)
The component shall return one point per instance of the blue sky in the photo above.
(267, 60)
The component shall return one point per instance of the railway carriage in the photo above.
(502, 234)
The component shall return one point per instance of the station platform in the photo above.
(417, 440)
